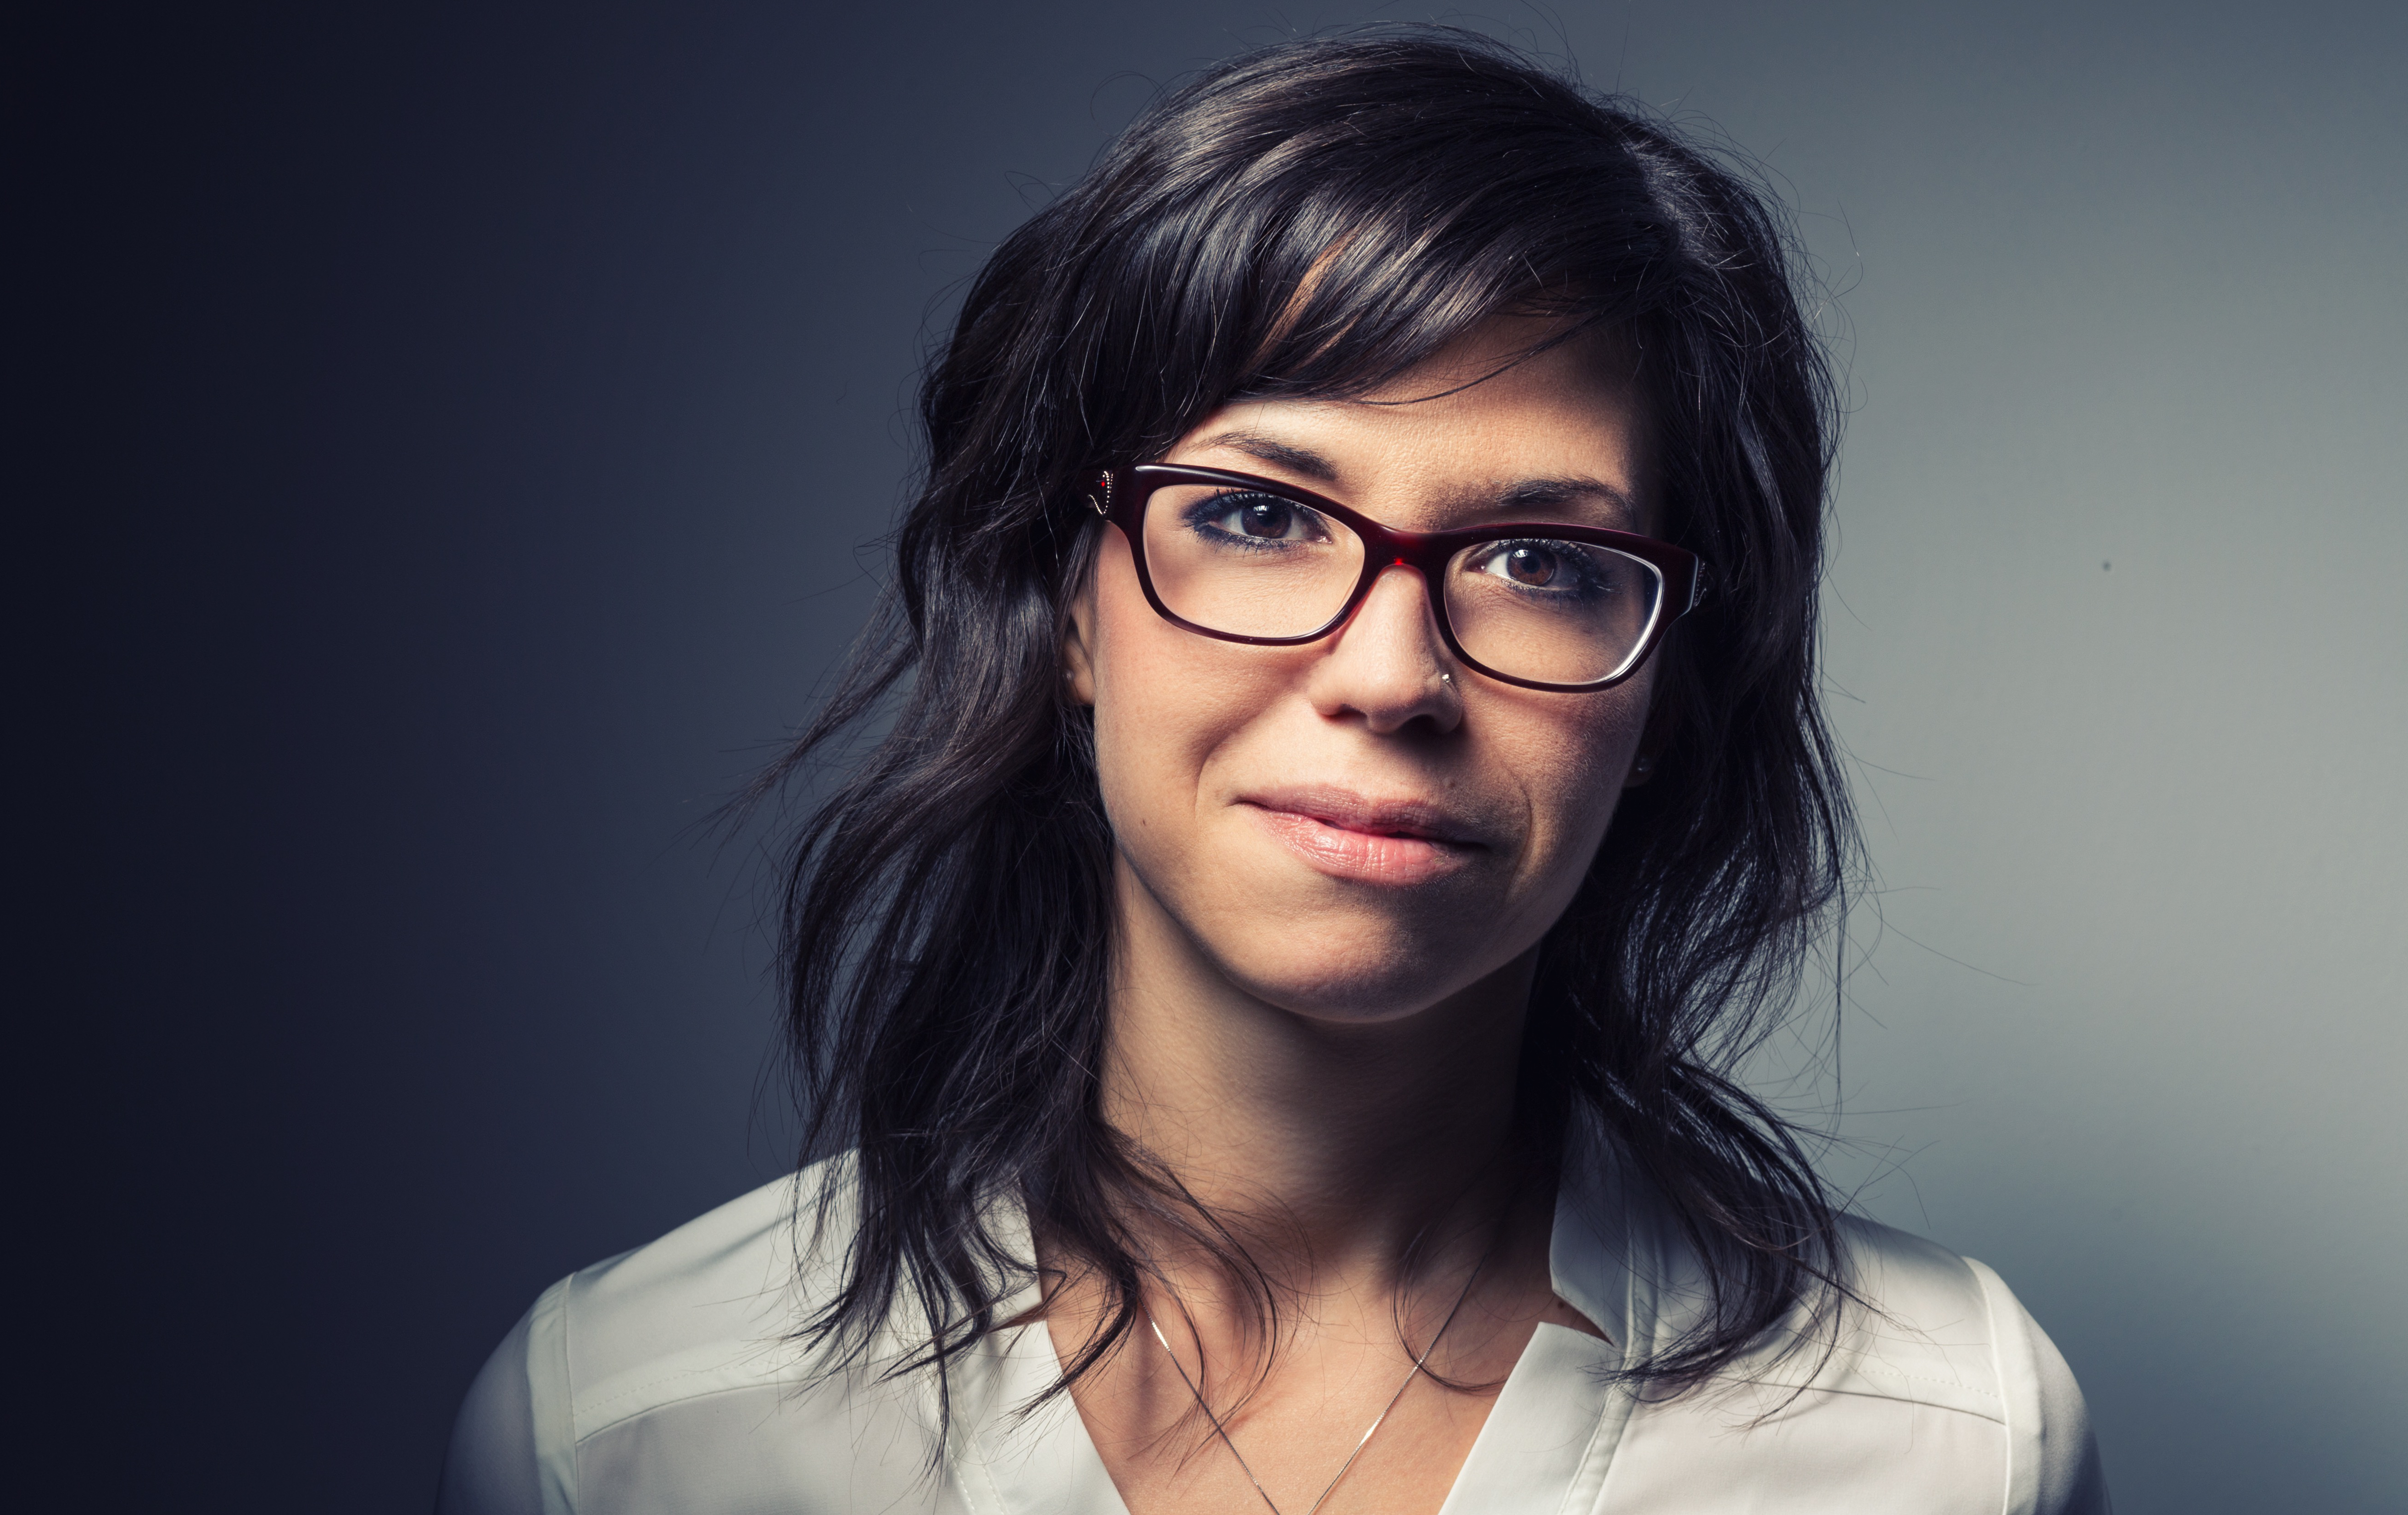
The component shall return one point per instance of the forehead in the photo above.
(1485, 430)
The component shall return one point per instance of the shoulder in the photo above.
(1934, 1327)
(1928, 1388)
(1926, 1323)
(714, 1306)
(725, 1277)
(705, 1315)
(1919, 1322)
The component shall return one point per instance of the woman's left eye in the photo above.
(1543, 565)
(1263, 518)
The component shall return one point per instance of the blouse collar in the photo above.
(1549, 1435)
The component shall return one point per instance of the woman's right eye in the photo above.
(1260, 518)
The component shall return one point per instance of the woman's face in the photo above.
(1335, 829)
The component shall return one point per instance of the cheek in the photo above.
(1166, 700)
(1573, 760)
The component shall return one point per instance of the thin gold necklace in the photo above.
(1410, 1374)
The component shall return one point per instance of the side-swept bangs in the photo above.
(1249, 238)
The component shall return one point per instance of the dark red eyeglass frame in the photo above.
(1120, 496)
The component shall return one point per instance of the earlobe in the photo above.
(1656, 736)
(1078, 666)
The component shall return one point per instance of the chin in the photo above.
(1365, 976)
(1351, 1006)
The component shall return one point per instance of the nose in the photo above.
(1387, 664)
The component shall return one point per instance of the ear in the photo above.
(1078, 638)
(1653, 739)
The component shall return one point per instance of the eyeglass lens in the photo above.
(1253, 564)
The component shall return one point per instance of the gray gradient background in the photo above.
(503, 397)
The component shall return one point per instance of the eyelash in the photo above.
(1200, 516)
(1590, 581)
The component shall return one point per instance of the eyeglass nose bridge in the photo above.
(1402, 551)
(1390, 547)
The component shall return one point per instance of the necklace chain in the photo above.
(1331, 1487)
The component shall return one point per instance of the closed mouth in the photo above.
(1344, 811)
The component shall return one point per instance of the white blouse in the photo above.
(663, 1380)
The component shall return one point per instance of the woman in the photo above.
(1355, 781)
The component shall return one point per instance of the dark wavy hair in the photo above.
(1312, 219)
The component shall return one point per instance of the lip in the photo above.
(1354, 836)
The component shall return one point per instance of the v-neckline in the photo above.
(1545, 1446)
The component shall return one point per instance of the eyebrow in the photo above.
(1548, 493)
(1301, 460)
(1523, 495)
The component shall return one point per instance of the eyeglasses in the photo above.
(1543, 605)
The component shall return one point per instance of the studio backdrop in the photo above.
(505, 405)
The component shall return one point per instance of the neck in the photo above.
(1345, 1149)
